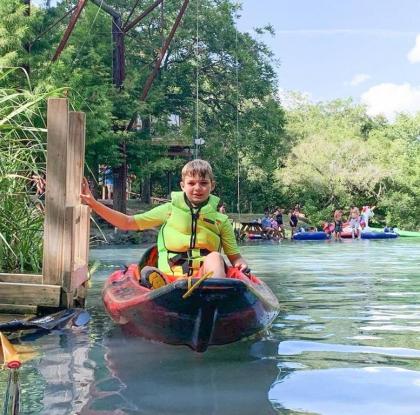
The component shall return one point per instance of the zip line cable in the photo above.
(197, 114)
(86, 39)
(53, 25)
(238, 167)
(131, 13)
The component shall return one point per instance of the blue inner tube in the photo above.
(379, 235)
(310, 236)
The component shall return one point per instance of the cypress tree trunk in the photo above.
(120, 183)
(146, 182)
(145, 189)
(118, 75)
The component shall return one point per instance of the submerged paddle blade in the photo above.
(82, 319)
(53, 321)
(61, 319)
(10, 356)
(13, 325)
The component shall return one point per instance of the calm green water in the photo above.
(347, 342)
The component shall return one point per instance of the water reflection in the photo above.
(153, 378)
(368, 390)
(57, 381)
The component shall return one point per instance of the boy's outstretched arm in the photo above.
(118, 219)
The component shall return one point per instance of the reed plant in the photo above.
(22, 157)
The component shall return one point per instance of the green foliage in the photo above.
(22, 155)
(341, 157)
(14, 29)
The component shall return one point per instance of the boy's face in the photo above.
(197, 188)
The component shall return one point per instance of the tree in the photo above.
(342, 157)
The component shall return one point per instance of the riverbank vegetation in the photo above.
(22, 158)
(323, 155)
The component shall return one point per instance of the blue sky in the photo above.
(341, 48)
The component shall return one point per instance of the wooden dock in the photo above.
(66, 227)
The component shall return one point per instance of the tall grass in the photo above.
(22, 154)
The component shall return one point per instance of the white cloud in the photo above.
(359, 79)
(389, 99)
(414, 54)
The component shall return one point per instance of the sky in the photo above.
(365, 49)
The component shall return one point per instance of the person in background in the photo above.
(338, 224)
(275, 226)
(367, 212)
(222, 208)
(130, 179)
(267, 225)
(108, 182)
(278, 216)
(294, 219)
(356, 229)
(39, 184)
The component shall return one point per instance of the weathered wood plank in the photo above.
(82, 234)
(77, 233)
(82, 254)
(74, 265)
(68, 258)
(16, 309)
(75, 157)
(79, 276)
(25, 278)
(58, 129)
(30, 294)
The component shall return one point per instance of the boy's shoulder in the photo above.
(222, 217)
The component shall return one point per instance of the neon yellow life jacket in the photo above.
(188, 235)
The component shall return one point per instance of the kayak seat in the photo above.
(149, 258)
(152, 277)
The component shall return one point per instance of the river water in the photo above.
(346, 342)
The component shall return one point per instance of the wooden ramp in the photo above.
(23, 293)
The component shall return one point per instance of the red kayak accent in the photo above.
(219, 311)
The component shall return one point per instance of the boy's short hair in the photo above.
(199, 168)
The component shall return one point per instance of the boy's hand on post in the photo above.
(86, 194)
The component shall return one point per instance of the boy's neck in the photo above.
(195, 205)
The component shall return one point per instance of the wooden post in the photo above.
(76, 246)
(66, 229)
(55, 200)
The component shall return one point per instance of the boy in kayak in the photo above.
(192, 231)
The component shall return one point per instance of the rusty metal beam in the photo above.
(53, 25)
(158, 61)
(130, 25)
(163, 51)
(73, 20)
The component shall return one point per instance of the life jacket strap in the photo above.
(188, 260)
